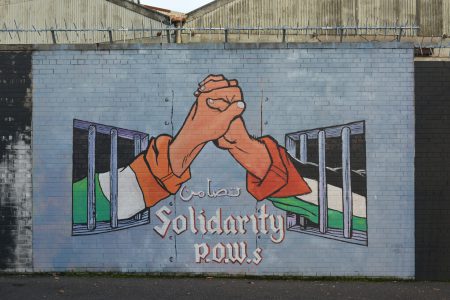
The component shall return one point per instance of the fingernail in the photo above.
(202, 88)
(241, 104)
(210, 101)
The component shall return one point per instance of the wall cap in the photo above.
(206, 46)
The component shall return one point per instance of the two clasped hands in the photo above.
(216, 116)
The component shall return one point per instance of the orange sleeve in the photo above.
(154, 173)
(281, 180)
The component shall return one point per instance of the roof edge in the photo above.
(142, 11)
(207, 8)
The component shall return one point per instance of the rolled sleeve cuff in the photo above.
(154, 173)
(275, 178)
(281, 180)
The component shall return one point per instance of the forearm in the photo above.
(183, 150)
(253, 156)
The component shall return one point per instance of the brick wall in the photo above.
(15, 161)
(149, 89)
(431, 169)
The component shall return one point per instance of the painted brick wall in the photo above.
(150, 89)
(432, 172)
(15, 161)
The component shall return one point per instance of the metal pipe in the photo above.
(137, 145)
(323, 200)
(137, 151)
(347, 200)
(304, 148)
(91, 179)
(114, 181)
(291, 146)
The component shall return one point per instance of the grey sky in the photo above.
(178, 5)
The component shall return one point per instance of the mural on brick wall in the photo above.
(317, 180)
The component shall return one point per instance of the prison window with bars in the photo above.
(333, 162)
(98, 149)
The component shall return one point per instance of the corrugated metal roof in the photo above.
(432, 16)
(90, 14)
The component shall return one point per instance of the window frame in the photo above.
(93, 226)
(296, 144)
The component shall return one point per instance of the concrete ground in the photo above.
(103, 287)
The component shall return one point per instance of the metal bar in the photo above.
(226, 35)
(333, 131)
(110, 36)
(291, 146)
(168, 35)
(105, 129)
(53, 36)
(400, 34)
(91, 179)
(137, 145)
(347, 199)
(144, 146)
(137, 151)
(323, 200)
(114, 181)
(144, 143)
(304, 148)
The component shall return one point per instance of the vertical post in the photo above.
(304, 148)
(137, 151)
(114, 180)
(226, 35)
(323, 200)
(91, 179)
(347, 183)
(53, 35)
(400, 34)
(284, 35)
(110, 36)
(168, 36)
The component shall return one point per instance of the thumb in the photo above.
(218, 104)
(233, 111)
